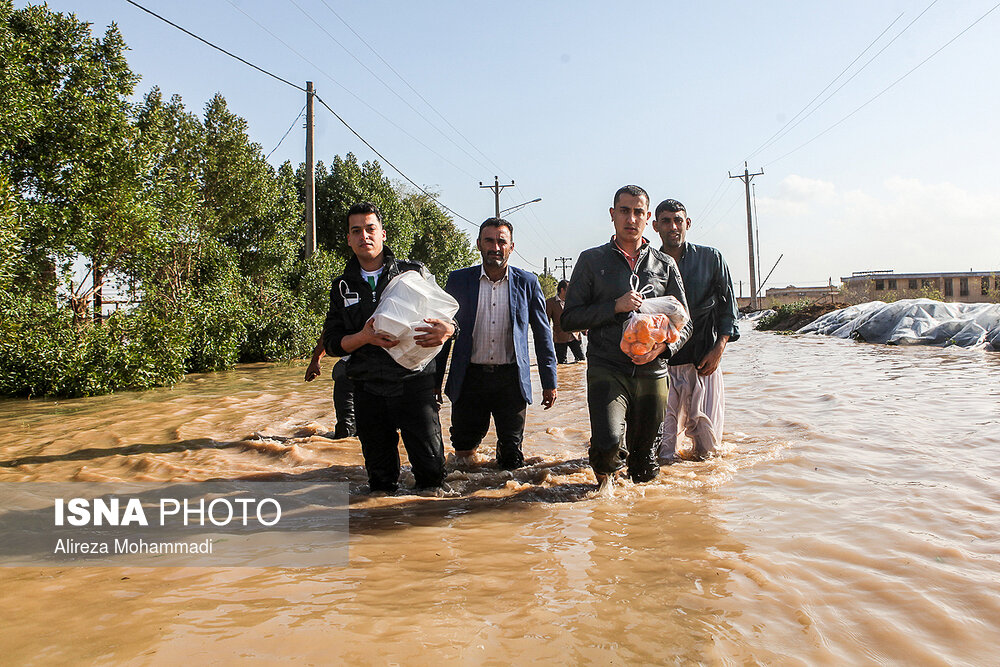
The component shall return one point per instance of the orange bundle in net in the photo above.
(642, 333)
(659, 320)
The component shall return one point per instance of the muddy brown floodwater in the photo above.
(854, 520)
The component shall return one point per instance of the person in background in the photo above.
(696, 401)
(626, 397)
(563, 340)
(343, 391)
(388, 398)
(490, 369)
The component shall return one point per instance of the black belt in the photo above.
(492, 368)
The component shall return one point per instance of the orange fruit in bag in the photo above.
(639, 349)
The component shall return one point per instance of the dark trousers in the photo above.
(380, 421)
(343, 401)
(625, 414)
(486, 391)
(574, 345)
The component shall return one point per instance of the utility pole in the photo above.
(746, 177)
(497, 189)
(545, 266)
(310, 175)
(563, 261)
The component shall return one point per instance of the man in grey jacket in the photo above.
(626, 398)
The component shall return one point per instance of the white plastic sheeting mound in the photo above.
(914, 322)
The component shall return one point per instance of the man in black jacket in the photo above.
(626, 398)
(388, 398)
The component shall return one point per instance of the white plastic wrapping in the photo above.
(407, 300)
(914, 322)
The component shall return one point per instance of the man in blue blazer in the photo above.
(490, 368)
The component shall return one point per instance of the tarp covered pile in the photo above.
(914, 322)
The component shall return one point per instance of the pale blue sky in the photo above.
(574, 99)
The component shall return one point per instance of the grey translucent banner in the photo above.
(203, 524)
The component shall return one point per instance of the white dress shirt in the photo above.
(493, 334)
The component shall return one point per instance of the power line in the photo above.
(347, 90)
(890, 86)
(321, 101)
(388, 162)
(218, 48)
(774, 137)
(383, 82)
(538, 224)
(285, 135)
(862, 67)
(415, 91)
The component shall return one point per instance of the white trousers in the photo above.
(695, 405)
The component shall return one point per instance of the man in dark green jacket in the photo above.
(626, 398)
(696, 402)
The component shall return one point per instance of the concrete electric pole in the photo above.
(497, 189)
(746, 177)
(310, 175)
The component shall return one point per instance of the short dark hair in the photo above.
(671, 205)
(633, 190)
(496, 222)
(364, 208)
(563, 284)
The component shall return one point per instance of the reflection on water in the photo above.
(852, 520)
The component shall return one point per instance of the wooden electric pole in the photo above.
(746, 177)
(497, 189)
(563, 261)
(310, 175)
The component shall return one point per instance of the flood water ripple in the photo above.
(852, 521)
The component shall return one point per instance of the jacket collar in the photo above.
(353, 266)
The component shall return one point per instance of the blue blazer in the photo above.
(527, 308)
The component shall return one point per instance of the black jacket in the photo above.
(352, 304)
(600, 277)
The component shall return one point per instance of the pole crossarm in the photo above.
(497, 189)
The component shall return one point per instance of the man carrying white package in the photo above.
(389, 398)
(696, 400)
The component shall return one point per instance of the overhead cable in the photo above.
(890, 86)
(319, 99)
(781, 132)
(348, 90)
(290, 128)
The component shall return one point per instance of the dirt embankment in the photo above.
(785, 319)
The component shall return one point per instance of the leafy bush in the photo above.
(43, 353)
(782, 312)
(279, 327)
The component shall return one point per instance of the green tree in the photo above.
(437, 242)
(66, 142)
(345, 183)
(548, 283)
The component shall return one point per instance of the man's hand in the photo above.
(549, 397)
(628, 302)
(372, 337)
(436, 332)
(313, 370)
(710, 363)
(649, 356)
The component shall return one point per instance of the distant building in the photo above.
(964, 287)
(778, 296)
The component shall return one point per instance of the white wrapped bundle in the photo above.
(407, 300)
(666, 305)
